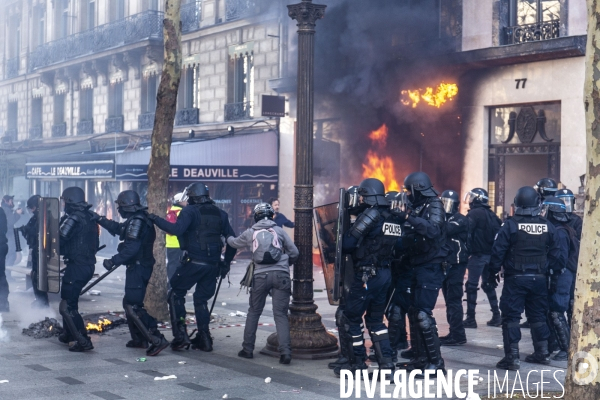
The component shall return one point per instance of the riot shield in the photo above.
(49, 242)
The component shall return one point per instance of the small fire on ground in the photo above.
(435, 97)
(100, 326)
(380, 166)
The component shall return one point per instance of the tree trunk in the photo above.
(159, 167)
(581, 382)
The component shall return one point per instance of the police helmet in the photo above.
(263, 211)
(197, 193)
(372, 192)
(73, 195)
(546, 187)
(554, 208)
(129, 201)
(419, 184)
(390, 196)
(477, 195)
(33, 201)
(568, 197)
(451, 201)
(527, 201)
(353, 197)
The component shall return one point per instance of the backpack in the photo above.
(266, 248)
(495, 223)
(574, 245)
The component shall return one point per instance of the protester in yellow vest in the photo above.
(172, 244)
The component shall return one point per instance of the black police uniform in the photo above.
(484, 225)
(527, 246)
(457, 236)
(79, 241)
(30, 233)
(3, 252)
(402, 275)
(137, 237)
(371, 243)
(199, 228)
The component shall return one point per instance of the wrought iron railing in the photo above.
(532, 32)
(187, 116)
(59, 130)
(133, 29)
(114, 124)
(238, 111)
(12, 67)
(236, 9)
(146, 121)
(190, 16)
(85, 127)
(35, 132)
(11, 135)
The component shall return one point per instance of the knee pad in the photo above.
(379, 335)
(555, 318)
(425, 321)
(63, 308)
(338, 317)
(394, 313)
(344, 322)
(470, 287)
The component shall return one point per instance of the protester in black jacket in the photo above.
(3, 251)
(484, 226)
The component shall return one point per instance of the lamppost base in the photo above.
(310, 340)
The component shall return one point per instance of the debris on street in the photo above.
(47, 328)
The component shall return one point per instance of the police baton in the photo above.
(216, 294)
(387, 307)
(91, 285)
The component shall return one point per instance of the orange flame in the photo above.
(437, 97)
(99, 327)
(380, 167)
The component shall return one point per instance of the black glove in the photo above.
(400, 214)
(108, 264)
(152, 217)
(95, 215)
(493, 280)
(224, 268)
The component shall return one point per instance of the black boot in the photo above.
(416, 353)
(493, 299)
(159, 343)
(470, 322)
(511, 360)
(540, 355)
(360, 365)
(65, 337)
(80, 347)
(203, 341)
(181, 340)
(561, 331)
(431, 343)
(496, 319)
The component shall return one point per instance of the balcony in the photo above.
(35, 132)
(190, 16)
(10, 135)
(146, 121)
(532, 32)
(134, 29)
(238, 111)
(59, 130)
(187, 116)
(236, 9)
(85, 127)
(114, 124)
(12, 67)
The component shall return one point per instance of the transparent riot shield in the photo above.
(49, 242)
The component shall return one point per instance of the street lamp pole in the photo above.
(309, 337)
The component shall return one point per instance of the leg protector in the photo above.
(203, 341)
(67, 315)
(511, 359)
(132, 314)
(377, 337)
(471, 291)
(396, 326)
(179, 328)
(561, 330)
(541, 353)
(431, 341)
(343, 338)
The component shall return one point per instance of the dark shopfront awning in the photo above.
(243, 158)
(87, 166)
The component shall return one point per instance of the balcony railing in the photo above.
(10, 135)
(85, 127)
(133, 29)
(35, 132)
(114, 124)
(12, 67)
(190, 16)
(238, 111)
(532, 32)
(187, 116)
(146, 121)
(59, 130)
(236, 9)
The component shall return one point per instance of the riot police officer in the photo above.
(425, 244)
(484, 226)
(79, 241)
(457, 235)
(30, 233)
(370, 241)
(546, 187)
(137, 237)
(561, 278)
(4, 306)
(200, 227)
(527, 246)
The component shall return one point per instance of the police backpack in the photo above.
(266, 248)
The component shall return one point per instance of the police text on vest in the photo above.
(392, 229)
(534, 229)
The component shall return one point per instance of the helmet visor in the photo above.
(399, 202)
(569, 203)
(544, 210)
(449, 205)
(470, 196)
(353, 200)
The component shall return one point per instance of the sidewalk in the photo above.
(43, 368)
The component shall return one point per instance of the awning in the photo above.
(71, 169)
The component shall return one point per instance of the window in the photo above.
(64, 19)
(86, 105)
(524, 12)
(88, 14)
(14, 35)
(151, 4)
(117, 10)
(36, 112)
(39, 26)
(59, 109)
(241, 78)
(149, 90)
(187, 94)
(115, 100)
(12, 114)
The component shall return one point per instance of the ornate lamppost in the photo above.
(309, 337)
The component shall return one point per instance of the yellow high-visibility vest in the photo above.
(171, 240)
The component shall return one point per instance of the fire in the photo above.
(99, 327)
(380, 167)
(434, 97)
